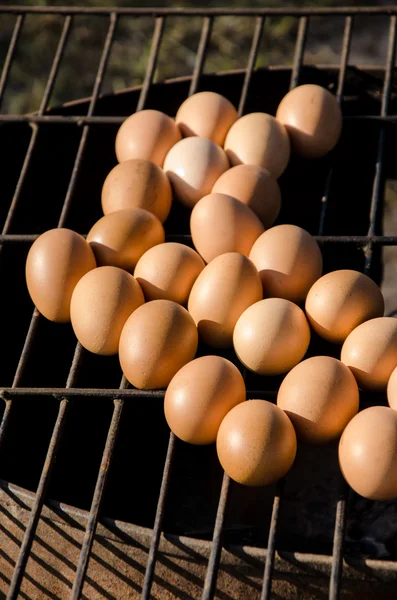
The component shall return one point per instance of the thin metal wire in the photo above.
(216, 548)
(152, 62)
(256, 40)
(10, 55)
(201, 54)
(98, 496)
(158, 521)
(299, 51)
(271, 542)
(339, 95)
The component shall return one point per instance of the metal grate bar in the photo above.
(201, 54)
(152, 62)
(340, 521)
(271, 542)
(43, 106)
(299, 51)
(216, 548)
(10, 55)
(256, 40)
(339, 95)
(98, 497)
(84, 136)
(158, 521)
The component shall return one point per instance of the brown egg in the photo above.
(289, 261)
(254, 186)
(220, 223)
(157, 340)
(271, 336)
(256, 443)
(168, 271)
(340, 301)
(313, 119)
(200, 395)
(148, 134)
(392, 390)
(101, 303)
(120, 238)
(258, 139)
(208, 115)
(320, 396)
(57, 260)
(137, 183)
(368, 453)
(370, 352)
(221, 293)
(193, 165)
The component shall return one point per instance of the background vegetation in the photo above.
(230, 42)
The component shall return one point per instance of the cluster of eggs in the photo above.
(249, 285)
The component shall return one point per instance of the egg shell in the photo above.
(206, 114)
(147, 134)
(220, 294)
(368, 453)
(271, 336)
(254, 186)
(256, 443)
(258, 139)
(289, 261)
(168, 271)
(156, 341)
(370, 352)
(137, 183)
(320, 396)
(101, 303)
(219, 223)
(120, 238)
(193, 165)
(200, 395)
(56, 261)
(392, 390)
(340, 301)
(313, 119)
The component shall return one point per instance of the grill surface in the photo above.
(93, 442)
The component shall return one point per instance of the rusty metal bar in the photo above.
(10, 55)
(152, 62)
(201, 54)
(158, 521)
(271, 542)
(256, 40)
(347, 35)
(299, 51)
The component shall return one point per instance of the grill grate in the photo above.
(67, 395)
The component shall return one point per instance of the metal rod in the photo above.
(256, 40)
(97, 498)
(347, 34)
(13, 591)
(242, 12)
(84, 136)
(216, 546)
(10, 55)
(158, 521)
(81, 120)
(271, 543)
(339, 534)
(152, 62)
(201, 54)
(299, 51)
(43, 106)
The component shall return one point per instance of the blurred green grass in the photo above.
(230, 42)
